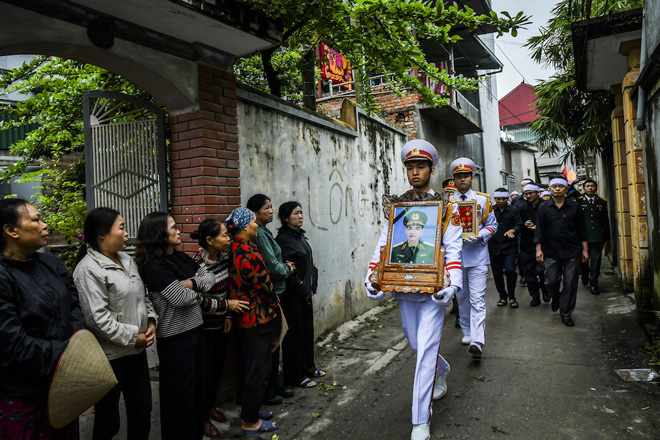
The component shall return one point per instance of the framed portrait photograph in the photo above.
(467, 217)
(413, 258)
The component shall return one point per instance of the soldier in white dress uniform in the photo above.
(422, 315)
(471, 302)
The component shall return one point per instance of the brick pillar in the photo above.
(637, 194)
(204, 168)
(622, 200)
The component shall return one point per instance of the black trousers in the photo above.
(591, 269)
(502, 265)
(181, 360)
(254, 366)
(298, 344)
(215, 348)
(273, 379)
(132, 374)
(564, 271)
(533, 271)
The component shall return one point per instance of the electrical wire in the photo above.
(514, 66)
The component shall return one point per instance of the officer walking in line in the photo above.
(561, 241)
(413, 250)
(449, 187)
(503, 248)
(422, 315)
(471, 303)
(597, 223)
(533, 270)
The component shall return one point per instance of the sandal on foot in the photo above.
(265, 415)
(501, 303)
(264, 427)
(210, 430)
(513, 303)
(318, 373)
(307, 383)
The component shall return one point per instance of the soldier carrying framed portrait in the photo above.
(412, 261)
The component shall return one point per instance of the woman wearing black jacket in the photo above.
(298, 345)
(39, 312)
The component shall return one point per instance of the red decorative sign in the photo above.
(438, 88)
(335, 67)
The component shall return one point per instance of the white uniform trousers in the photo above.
(422, 323)
(471, 303)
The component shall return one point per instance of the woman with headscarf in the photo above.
(116, 309)
(279, 271)
(298, 345)
(257, 328)
(39, 312)
(175, 283)
(214, 243)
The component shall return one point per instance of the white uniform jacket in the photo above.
(476, 254)
(452, 241)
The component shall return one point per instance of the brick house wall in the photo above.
(394, 109)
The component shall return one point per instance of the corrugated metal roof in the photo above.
(10, 137)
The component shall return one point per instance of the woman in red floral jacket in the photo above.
(256, 329)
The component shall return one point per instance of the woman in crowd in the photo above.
(214, 243)
(115, 308)
(257, 328)
(175, 289)
(279, 271)
(298, 345)
(39, 312)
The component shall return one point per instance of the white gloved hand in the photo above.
(378, 295)
(470, 239)
(372, 294)
(443, 297)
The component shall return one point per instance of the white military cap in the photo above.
(419, 149)
(462, 165)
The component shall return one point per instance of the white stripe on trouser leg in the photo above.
(471, 303)
(422, 323)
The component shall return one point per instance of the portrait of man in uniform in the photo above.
(418, 246)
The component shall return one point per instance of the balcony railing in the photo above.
(459, 101)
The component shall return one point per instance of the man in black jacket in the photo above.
(561, 240)
(532, 269)
(503, 247)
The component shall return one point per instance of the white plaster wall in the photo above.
(490, 122)
(338, 178)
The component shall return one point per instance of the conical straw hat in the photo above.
(83, 375)
(281, 328)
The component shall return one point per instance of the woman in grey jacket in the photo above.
(116, 309)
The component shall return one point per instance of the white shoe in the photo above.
(440, 388)
(466, 340)
(421, 432)
(476, 350)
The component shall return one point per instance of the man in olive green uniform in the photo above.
(597, 223)
(413, 251)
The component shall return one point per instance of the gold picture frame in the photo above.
(468, 217)
(412, 261)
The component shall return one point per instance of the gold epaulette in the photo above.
(447, 218)
(483, 194)
(602, 198)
